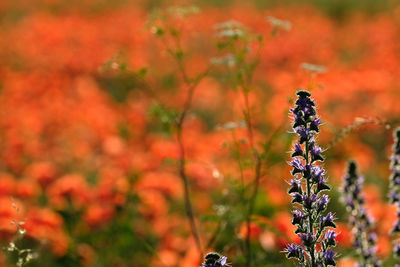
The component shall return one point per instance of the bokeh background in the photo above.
(88, 149)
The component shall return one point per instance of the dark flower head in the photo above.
(303, 94)
(297, 166)
(394, 197)
(317, 173)
(308, 239)
(396, 228)
(396, 146)
(367, 221)
(369, 252)
(330, 238)
(307, 171)
(349, 203)
(372, 238)
(299, 120)
(352, 169)
(327, 221)
(394, 194)
(321, 185)
(396, 180)
(294, 251)
(304, 134)
(314, 125)
(309, 201)
(296, 186)
(298, 217)
(329, 258)
(304, 106)
(297, 198)
(316, 153)
(322, 202)
(214, 259)
(297, 151)
(396, 250)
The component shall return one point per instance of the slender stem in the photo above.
(239, 160)
(182, 163)
(192, 85)
(185, 181)
(257, 174)
(310, 218)
(214, 236)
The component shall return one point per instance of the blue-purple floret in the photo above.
(394, 194)
(329, 257)
(295, 186)
(294, 251)
(396, 250)
(322, 203)
(297, 151)
(314, 225)
(330, 238)
(364, 238)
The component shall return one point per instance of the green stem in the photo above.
(257, 174)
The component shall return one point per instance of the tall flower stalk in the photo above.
(394, 195)
(307, 186)
(364, 239)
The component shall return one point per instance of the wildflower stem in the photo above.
(310, 218)
(192, 85)
(257, 173)
(239, 160)
(182, 160)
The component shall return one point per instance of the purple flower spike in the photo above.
(394, 194)
(306, 186)
(364, 239)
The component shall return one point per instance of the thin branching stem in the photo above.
(182, 160)
(257, 174)
(191, 84)
(239, 160)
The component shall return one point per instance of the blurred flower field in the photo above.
(149, 132)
